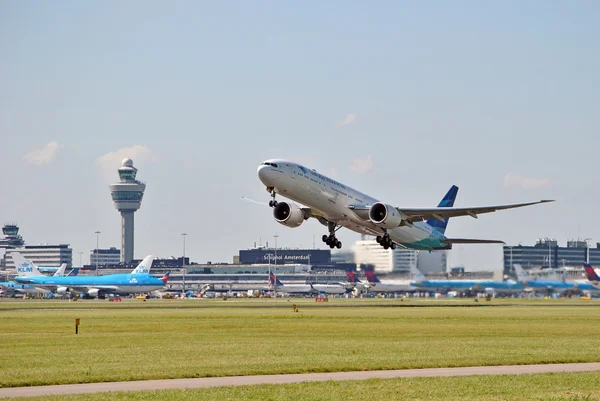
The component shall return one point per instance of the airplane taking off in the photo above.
(139, 280)
(336, 205)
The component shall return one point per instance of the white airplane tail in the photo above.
(24, 267)
(522, 275)
(144, 266)
(416, 274)
(61, 270)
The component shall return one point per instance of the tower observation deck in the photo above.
(127, 195)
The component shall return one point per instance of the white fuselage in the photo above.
(329, 288)
(333, 200)
(294, 289)
(389, 287)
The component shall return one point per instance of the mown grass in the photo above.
(554, 387)
(39, 347)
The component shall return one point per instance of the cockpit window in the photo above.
(270, 164)
(274, 164)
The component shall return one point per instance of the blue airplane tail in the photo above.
(447, 201)
(74, 272)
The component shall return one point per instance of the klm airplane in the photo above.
(551, 285)
(336, 205)
(139, 280)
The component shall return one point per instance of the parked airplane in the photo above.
(354, 281)
(278, 286)
(27, 269)
(552, 285)
(377, 286)
(592, 276)
(336, 205)
(139, 280)
(487, 286)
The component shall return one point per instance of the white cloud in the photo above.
(140, 154)
(362, 165)
(515, 180)
(350, 118)
(44, 155)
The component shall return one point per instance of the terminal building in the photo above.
(398, 260)
(43, 255)
(105, 257)
(546, 253)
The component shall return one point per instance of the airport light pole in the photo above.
(80, 255)
(183, 262)
(97, 241)
(587, 250)
(275, 266)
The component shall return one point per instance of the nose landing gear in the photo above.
(273, 193)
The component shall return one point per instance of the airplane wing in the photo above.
(472, 241)
(442, 213)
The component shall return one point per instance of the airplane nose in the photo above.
(262, 173)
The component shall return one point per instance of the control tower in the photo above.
(11, 239)
(127, 196)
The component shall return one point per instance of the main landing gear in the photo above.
(272, 202)
(331, 239)
(385, 241)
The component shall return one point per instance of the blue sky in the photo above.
(398, 99)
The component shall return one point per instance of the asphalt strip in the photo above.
(291, 378)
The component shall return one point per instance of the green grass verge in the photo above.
(39, 347)
(553, 386)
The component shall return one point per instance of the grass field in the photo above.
(40, 346)
(561, 386)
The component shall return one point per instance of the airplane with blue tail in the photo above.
(488, 286)
(336, 205)
(552, 285)
(13, 287)
(138, 281)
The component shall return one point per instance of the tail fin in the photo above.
(144, 266)
(24, 267)
(590, 273)
(416, 274)
(61, 270)
(273, 280)
(371, 277)
(165, 278)
(73, 272)
(447, 201)
(522, 275)
(351, 277)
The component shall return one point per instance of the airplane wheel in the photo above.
(378, 239)
(274, 203)
(325, 238)
(393, 246)
(386, 246)
(339, 245)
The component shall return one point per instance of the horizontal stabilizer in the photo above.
(472, 241)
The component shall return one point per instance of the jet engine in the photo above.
(288, 214)
(95, 292)
(63, 290)
(385, 216)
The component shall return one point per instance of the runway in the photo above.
(291, 378)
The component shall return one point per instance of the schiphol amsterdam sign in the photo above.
(271, 256)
